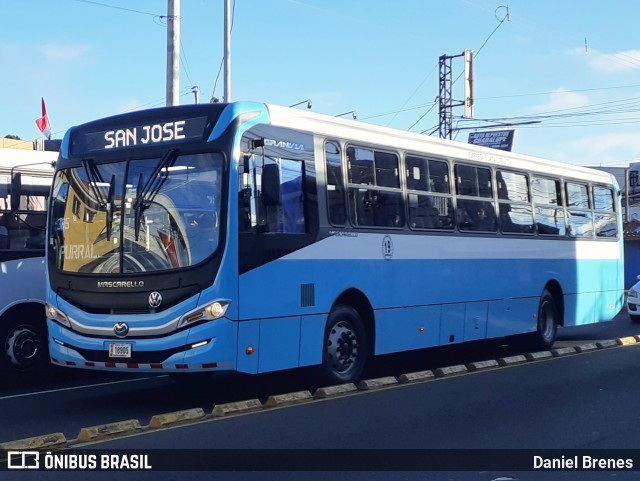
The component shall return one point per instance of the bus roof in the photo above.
(355, 131)
(34, 161)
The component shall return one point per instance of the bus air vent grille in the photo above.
(307, 295)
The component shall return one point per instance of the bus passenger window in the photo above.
(547, 200)
(605, 223)
(516, 213)
(476, 215)
(579, 210)
(375, 198)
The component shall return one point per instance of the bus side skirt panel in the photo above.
(407, 328)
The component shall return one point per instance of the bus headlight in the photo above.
(56, 315)
(210, 312)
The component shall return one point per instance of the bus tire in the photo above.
(546, 327)
(345, 349)
(24, 344)
(548, 318)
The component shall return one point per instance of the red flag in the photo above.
(43, 123)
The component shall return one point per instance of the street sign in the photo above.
(496, 139)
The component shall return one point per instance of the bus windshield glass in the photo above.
(140, 215)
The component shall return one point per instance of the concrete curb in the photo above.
(451, 370)
(626, 341)
(511, 360)
(220, 410)
(563, 351)
(289, 398)
(103, 431)
(538, 356)
(482, 365)
(591, 346)
(333, 391)
(47, 441)
(175, 418)
(419, 376)
(378, 383)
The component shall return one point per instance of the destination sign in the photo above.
(146, 134)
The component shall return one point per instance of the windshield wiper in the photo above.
(147, 193)
(111, 205)
(94, 178)
(108, 204)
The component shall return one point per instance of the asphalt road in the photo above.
(586, 401)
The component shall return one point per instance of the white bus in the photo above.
(25, 182)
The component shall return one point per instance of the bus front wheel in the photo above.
(24, 344)
(345, 349)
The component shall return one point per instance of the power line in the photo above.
(500, 22)
(555, 91)
(92, 2)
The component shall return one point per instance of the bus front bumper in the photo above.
(206, 347)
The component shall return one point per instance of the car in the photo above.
(633, 302)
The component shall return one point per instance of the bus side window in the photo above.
(472, 213)
(375, 198)
(547, 201)
(4, 231)
(579, 216)
(604, 218)
(335, 184)
(282, 196)
(516, 213)
(429, 198)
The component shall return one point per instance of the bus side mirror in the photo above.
(271, 185)
(16, 190)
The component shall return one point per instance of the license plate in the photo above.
(121, 350)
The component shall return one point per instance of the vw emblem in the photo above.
(155, 299)
(120, 329)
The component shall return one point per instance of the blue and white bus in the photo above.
(256, 238)
(25, 182)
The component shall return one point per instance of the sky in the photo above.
(568, 72)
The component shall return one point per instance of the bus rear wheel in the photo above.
(544, 336)
(345, 349)
(548, 318)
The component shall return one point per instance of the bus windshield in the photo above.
(139, 215)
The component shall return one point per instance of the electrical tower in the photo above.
(445, 94)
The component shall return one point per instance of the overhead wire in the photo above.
(160, 20)
(500, 22)
(92, 2)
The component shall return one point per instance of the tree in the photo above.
(13, 137)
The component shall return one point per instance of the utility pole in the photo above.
(227, 51)
(173, 52)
